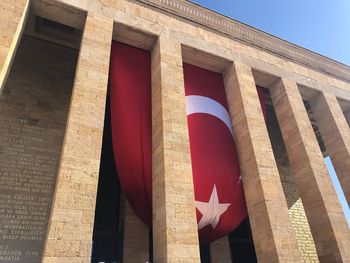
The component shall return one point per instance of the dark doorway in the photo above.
(205, 253)
(241, 244)
(107, 243)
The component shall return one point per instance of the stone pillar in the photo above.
(175, 232)
(335, 134)
(136, 237)
(13, 16)
(71, 224)
(220, 251)
(272, 229)
(327, 222)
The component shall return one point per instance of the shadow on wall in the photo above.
(33, 114)
(280, 153)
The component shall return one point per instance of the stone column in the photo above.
(175, 233)
(71, 224)
(136, 237)
(272, 229)
(13, 16)
(220, 251)
(327, 222)
(335, 133)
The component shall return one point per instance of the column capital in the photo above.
(104, 8)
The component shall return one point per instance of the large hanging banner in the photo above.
(130, 96)
(219, 196)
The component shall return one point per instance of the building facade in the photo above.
(57, 203)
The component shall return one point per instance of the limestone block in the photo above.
(105, 8)
(69, 240)
(175, 234)
(327, 222)
(272, 230)
(220, 251)
(335, 134)
(135, 246)
(297, 214)
(13, 16)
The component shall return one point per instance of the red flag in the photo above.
(130, 94)
(217, 182)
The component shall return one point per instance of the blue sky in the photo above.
(319, 25)
(340, 193)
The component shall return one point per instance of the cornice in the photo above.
(252, 36)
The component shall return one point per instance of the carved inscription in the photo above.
(28, 167)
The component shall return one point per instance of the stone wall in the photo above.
(34, 108)
(13, 15)
(72, 218)
(296, 209)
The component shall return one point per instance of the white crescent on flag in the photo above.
(201, 104)
(213, 209)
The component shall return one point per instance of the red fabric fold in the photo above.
(217, 183)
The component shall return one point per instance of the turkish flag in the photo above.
(219, 196)
(130, 96)
(217, 182)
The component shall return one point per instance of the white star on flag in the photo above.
(211, 210)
